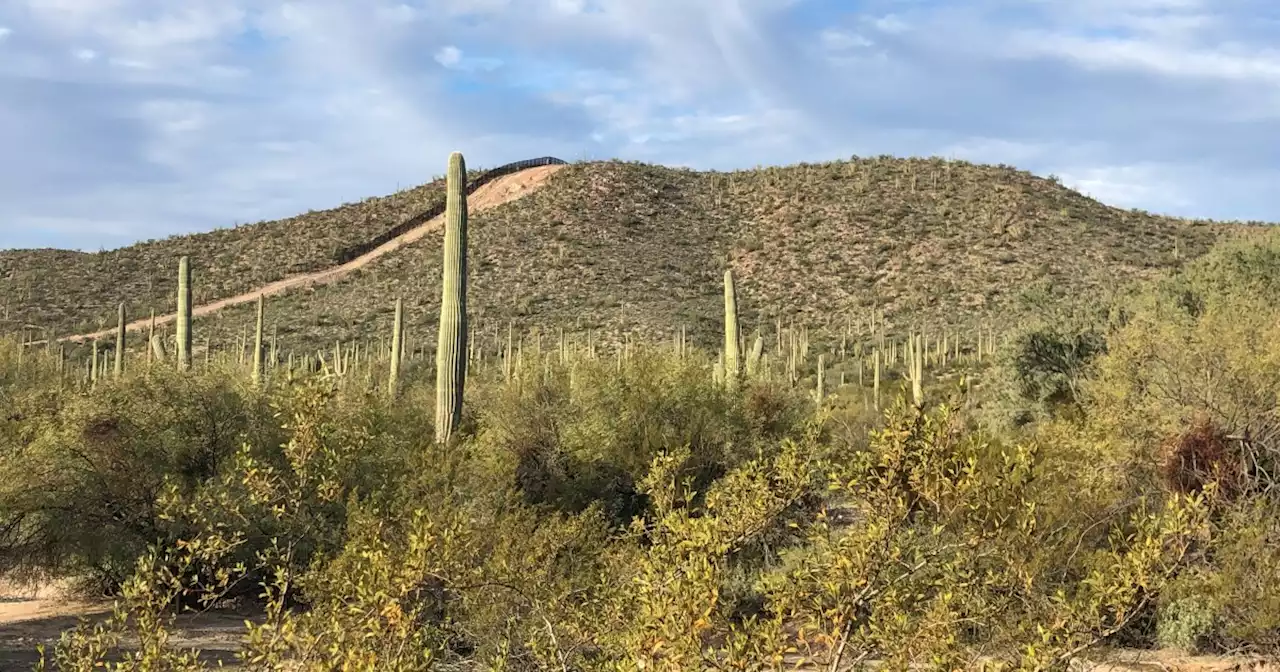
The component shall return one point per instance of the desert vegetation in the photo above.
(904, 489)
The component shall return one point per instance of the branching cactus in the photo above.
(451, 348)
(184, 314)
(732, 333)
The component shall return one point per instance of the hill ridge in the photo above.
(624, 246)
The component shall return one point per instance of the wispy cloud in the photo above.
(131, 119)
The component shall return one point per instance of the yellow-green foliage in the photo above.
(1204, 346)
(945, 558)
(1206, 340)
(569, 444)
(79, 485)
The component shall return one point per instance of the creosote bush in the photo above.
(79, 490)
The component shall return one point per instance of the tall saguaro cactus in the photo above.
(451, 348)
(397, 348)
(916, 368)
(257, 341)
(184, 314)
(151, 339)
(732, 333)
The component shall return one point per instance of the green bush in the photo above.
(1187, 623)
(80, 493)
(569, 442)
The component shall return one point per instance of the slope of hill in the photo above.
(66, 291)
(622, 246)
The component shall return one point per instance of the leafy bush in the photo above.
(570, 440)
(80, 495)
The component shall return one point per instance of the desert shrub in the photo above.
(569, 440)
(445, 583)
(952, 556)
(1201, 455)
(942, 553)
(1049, 365)
(1040, 370)
(1230, 602)
(1168, 369)
(281, 507)
(1186, 623)
(1186, 398)
(79, 494)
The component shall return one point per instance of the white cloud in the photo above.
(1128, 186)
(214, 111)
(890, 23)
(840, 40)
(449, 56)
(1240, 64)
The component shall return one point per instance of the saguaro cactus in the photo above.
(151, 339)
(184, 314)
(451, 348)
(820, 394)
(397, 345)
(756, 352)
(915, 366)
(732, 333)
(257, 341)
(120, 322)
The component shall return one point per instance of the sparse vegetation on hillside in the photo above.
(619, 247)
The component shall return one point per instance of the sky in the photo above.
(128, 120)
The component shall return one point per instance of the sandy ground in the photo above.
(31, 616)
(502, 190)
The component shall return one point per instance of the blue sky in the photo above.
(124, 120)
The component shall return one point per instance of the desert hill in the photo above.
(614, 246)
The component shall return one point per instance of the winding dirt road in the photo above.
(501, 190)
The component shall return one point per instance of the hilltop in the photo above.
(617, 246)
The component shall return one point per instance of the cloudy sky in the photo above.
(123, 120)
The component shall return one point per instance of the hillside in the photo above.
(621, 246)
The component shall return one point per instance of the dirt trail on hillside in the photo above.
(502, 190)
